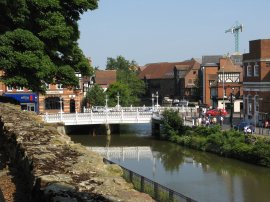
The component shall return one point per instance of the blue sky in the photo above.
(150, 31)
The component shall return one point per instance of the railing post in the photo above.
(155, 190)
(91, 116)
(137, 114)
(76, 117)
(142, 184)
(130, 176)
(122, 115)
(171, 195)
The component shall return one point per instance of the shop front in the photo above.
(28, 101)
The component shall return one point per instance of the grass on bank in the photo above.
(233, 144)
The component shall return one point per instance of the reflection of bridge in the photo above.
(124, 115)
(123, 153)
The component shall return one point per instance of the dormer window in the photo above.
(256, 69)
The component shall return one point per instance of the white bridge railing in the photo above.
(126, 115)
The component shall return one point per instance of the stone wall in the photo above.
(57, 169)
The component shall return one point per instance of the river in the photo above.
(198, 175)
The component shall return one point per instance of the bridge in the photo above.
(124, 115)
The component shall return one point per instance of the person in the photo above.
(221, 120)
(214, 120)
(207, 122)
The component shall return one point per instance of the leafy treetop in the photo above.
(38, 42)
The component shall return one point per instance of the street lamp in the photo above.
(106, 100)
(118, 96)
(152, 100)
(223, 87)
(232, 106)
(157, 98)
(61, 108)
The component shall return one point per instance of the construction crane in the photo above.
(235, 30)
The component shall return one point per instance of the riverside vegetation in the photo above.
(230, 143)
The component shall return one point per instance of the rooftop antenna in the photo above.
(235, 30)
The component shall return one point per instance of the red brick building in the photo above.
(221, 76)
(171, 79)
(55, 97)
(256, 81)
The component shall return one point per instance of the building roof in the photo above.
(105, 77)
(165, 70)
(211, 60)
(229, 66)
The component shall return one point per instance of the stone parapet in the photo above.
(57, 169)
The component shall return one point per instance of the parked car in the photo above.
(245, 126)
(216, 112)
(99, 109)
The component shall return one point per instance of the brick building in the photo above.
(256, 81)
(55, 97)
(220, 76)
(171, 79)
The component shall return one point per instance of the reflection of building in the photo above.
(221, 76)
(257, 80)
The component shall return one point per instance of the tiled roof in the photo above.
(229, 66)
(211, 60)
(165, 70)
(105, 77)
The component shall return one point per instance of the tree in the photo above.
(127, 73)
(95, 96)
(121, 90)
(38, 42)
(172, 123)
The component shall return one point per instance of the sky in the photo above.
(151, 31)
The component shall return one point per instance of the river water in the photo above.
(198, 175)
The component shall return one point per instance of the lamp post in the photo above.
(106, 101)
(61, 109)
(223, 88)
(157, 98)
(118, 96)
(232, 106)
(257, 110)
(153, 100)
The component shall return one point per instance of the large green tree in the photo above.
(95, 96)
(127, 73)
(38, 42)
(122, 90)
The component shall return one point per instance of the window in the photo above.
(194, 72)
(59, 86)
(267, 64)
(19, 88)
(53, 103)
(256, 69)
(9, 88)
(249, 71)
(250, 103)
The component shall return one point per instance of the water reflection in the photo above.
(199, 175)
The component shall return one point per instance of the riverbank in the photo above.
(253, 149)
